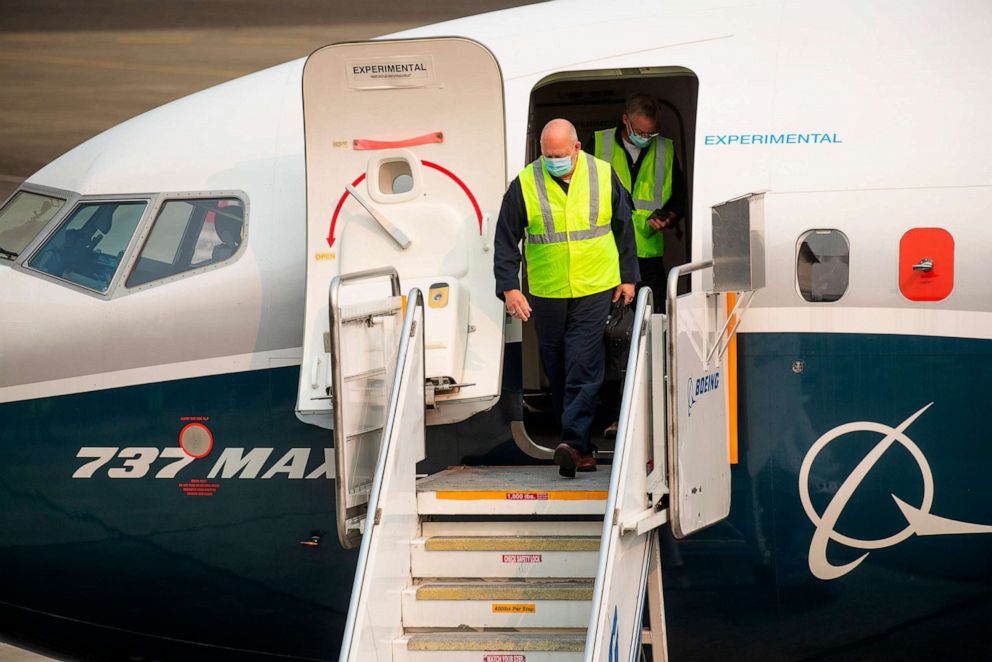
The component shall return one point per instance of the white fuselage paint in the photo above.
(896, 97)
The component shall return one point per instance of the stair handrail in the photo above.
(337, 387)
(618, 473)
(415, 303)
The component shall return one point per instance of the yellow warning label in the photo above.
(529, 608)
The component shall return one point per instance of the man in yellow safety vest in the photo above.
(575, 216)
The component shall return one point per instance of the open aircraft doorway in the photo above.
(595, 100)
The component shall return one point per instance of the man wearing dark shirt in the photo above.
(581, 254)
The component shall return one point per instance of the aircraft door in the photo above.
(406, 168)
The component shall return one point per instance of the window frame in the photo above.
(144, 232)
(77, 202)
(153, 203)
(795, 266)
(70, 197)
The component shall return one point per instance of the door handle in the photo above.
(926, 264)
(394, 232)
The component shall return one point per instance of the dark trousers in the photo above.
(655, 276)
(570, 334)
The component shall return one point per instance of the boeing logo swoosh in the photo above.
(919, 520)
(699, 387)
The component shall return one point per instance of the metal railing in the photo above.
(618, 471)
(415, 305)
(348, 536)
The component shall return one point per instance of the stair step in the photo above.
(558, 642)
(564, 646)
(513, 544)
(504, 557)
(521, 490)
(498, 604)
(503, 590)
(488, 527)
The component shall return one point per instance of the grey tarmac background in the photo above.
(70, 69)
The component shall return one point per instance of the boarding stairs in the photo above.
(516, 564)
(499, 564)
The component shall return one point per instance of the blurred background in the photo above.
(70, 69)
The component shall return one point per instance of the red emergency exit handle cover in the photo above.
(920, 247)
(426, 139)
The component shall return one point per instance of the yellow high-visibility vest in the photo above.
(652, 189)
(570, 248)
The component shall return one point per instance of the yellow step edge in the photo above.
(514, 544)
(554, 642)
(506, 591)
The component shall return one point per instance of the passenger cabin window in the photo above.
(189, 234)
(822, 265)
(88, 246)
(22, 218)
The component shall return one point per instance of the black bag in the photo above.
(619, 326)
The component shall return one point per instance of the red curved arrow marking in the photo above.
(475, 205)
(429, 164)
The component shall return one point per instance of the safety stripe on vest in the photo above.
(542, 199)
(593, 190)
(591, 233)
(552, 237)
(608, 144)
(660, 159)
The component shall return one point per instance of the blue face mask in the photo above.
(558, 166)
(638, 141)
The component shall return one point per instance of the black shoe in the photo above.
(567, 458)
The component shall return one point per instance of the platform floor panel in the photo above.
(514, 479)
(523, 490)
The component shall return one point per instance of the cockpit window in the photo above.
(22, 218)
(88, 247)
(822, 265)
(189, 234)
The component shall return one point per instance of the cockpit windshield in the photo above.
(22, 218)
(88, 247)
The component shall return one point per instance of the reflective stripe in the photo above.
(542, 199)
(593, 190)
(660, 158)
(575, 235)
(548, 238)
(608, 144)
(591, 233)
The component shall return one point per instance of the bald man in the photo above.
(575, 217)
